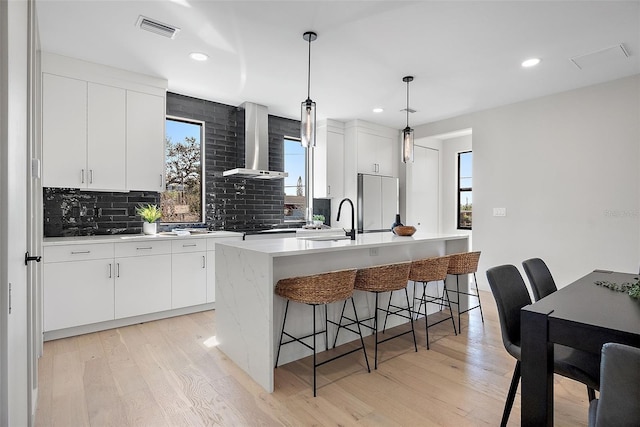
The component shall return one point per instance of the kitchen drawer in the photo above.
(211, 242)
(142, 248)
(81, 252)
(188, 245)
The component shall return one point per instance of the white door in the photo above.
(14, 104)
(423, 196)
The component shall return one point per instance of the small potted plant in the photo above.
(318, 220)
(149, 214)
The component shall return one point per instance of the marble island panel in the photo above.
(249, 315)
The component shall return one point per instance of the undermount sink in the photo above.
(325, 238)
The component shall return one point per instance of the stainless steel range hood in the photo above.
(256, 145)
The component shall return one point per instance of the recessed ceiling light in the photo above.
(378, 110)
(198, 56)
(531, 62)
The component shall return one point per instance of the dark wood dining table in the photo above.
(582, 315)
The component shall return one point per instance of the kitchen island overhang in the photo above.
(249, 314)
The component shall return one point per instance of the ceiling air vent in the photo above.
(599, 57)
(156, 27)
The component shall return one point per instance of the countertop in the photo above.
(338, 242)
(55, 241)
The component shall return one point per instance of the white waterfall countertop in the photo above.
(248, 313)
(339, 242)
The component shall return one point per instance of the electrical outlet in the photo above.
(373, 251)
(499, 211)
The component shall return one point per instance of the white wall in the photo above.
(565, 167)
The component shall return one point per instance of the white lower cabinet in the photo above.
(78, 293)
(78, 285)
(84, 284)
(188, 273)
(143, 278)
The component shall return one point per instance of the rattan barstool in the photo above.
(383, 278)
(465, 263)
(431, 270)
(319, 289)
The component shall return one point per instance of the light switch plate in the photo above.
(499, 211)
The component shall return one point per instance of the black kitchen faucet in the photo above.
(352, 233)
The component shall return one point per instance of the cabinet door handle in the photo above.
(90, 176)
(328, 190)
(82, 176)
(80, 252)
(117, 269)
(161, 181)
(145, 248)
(204, 262)
(109, 270)
(189, 246)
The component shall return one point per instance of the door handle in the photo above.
(28, 258)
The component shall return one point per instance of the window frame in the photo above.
(306, 179)
(460, 191)
(203, 193)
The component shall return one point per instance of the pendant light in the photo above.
(407, 133)
(308, 108)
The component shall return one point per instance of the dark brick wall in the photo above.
(235, 203)
(231, 203)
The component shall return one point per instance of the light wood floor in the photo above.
(163, 373)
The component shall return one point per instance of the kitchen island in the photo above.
(248, 313)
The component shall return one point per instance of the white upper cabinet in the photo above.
(102, 128)
(106, 137)
(370, 148)
(145, 141)
(64, 132)
(328, 160)
(375, 154)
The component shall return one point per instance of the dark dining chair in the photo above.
(619, 402)
(510, 293)
(542, 283)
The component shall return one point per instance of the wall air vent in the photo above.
(156, 27)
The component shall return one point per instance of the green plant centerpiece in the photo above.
(318, 220)
(149, 214)
(633, 289)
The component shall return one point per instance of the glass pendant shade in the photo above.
(407, 145)
(308, 124)
(407, 132)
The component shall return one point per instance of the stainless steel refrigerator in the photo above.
(377, 202)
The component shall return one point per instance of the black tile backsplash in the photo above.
(72, 212)
(232, 203)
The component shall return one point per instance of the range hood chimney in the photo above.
(256, 145)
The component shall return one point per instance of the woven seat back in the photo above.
(464, 263)
(383, 278)
(429, 270)
(321, 288)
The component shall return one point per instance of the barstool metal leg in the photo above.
(478, 293)
(413, 332)
(364, 350)
(314, 350)
(375, 329)
(282, 333)
(446, 294)
(458, 304)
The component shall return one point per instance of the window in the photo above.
(465, 192)
(182, 200)
(295, 194)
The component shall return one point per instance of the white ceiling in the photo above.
(465, 56)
